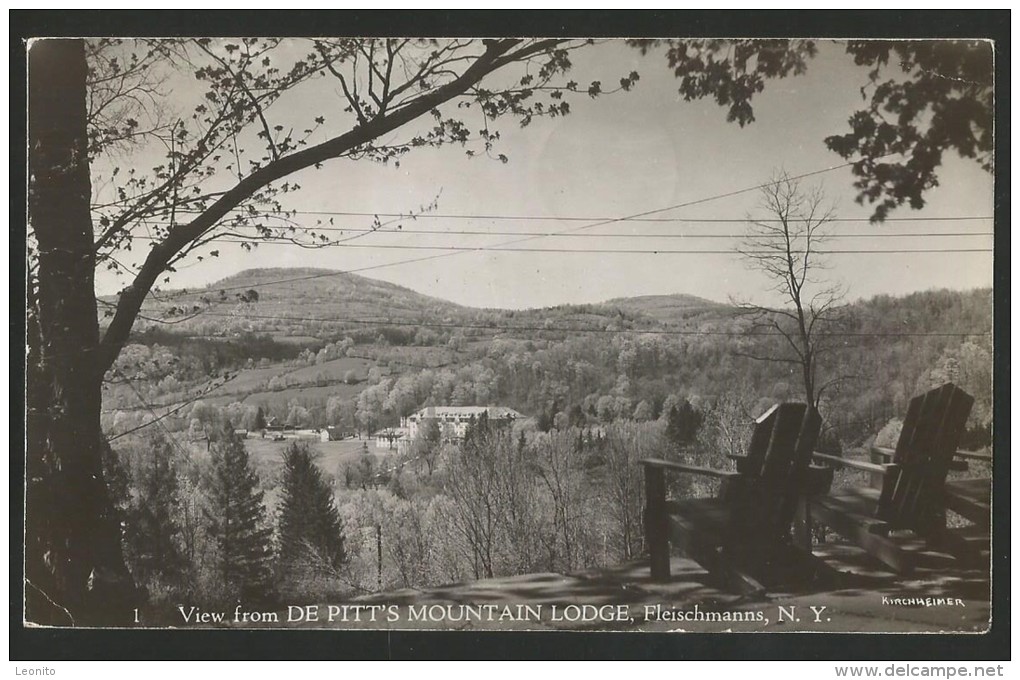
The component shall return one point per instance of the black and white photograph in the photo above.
(562, 334)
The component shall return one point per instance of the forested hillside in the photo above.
(357, 353)
(602, 386)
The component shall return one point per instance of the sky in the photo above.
(617, 156)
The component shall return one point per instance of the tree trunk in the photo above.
(74, 567)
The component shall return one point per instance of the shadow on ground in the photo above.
(941, 596)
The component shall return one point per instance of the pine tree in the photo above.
(237, 519)
(682, 425)
(311, 535)
(153, 531)
(366, 467)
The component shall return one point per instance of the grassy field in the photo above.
(335, 369)
(249, 380)
(267, 455)
(300, 340)
(308, 384)
(245, 388)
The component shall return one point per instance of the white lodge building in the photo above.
(454, 420)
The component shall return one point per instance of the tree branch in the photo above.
(131, 298)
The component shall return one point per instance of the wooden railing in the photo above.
(880, 456)
(970, 498)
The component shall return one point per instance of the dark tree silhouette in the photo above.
(682, 424)
(237, 520)
(260, 419)
(311, 536)
(941, 100)
(72, 532)
(153, 531)
(923, 98)
(431, 439)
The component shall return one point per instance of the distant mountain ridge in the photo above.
(332, 281)
(325, 305)
(322, 285)
(670, 299)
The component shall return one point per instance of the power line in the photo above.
(552, 234)
(574, 229)
(575, 218)
(613, 251)
(158, 419)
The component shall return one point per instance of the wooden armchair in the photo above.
(744, 534)
(911, 502)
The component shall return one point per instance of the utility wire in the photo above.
(258, 238)
(687, 220)
(575, 218)
(157, 419)
(614, 251)
(583, 227)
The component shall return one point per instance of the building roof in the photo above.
(444, 411)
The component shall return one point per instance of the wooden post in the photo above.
(802, 524)
(656, 522)
(875, 479)
(378, 548)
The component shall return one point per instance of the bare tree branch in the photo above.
(497, 53)
(784, 247)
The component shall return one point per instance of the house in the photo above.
(454, 420)
(331, 433)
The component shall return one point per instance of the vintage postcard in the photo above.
(688, 335)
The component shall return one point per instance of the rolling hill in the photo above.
(317, 305)
(325, 336)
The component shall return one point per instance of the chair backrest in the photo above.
(913, 491)
(771, 507)
(759, 445)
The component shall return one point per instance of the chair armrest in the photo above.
(846, 462)
(974, 455)
(884, 451)
(954, 465)
(692, 469)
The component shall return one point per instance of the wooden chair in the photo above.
(911, 503)
(744, 534)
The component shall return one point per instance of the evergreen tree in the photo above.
(311, 535)
(237, 519)
(260, 419)
(152, 518)
(429, 443)
(683, 422)
(366, 467)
